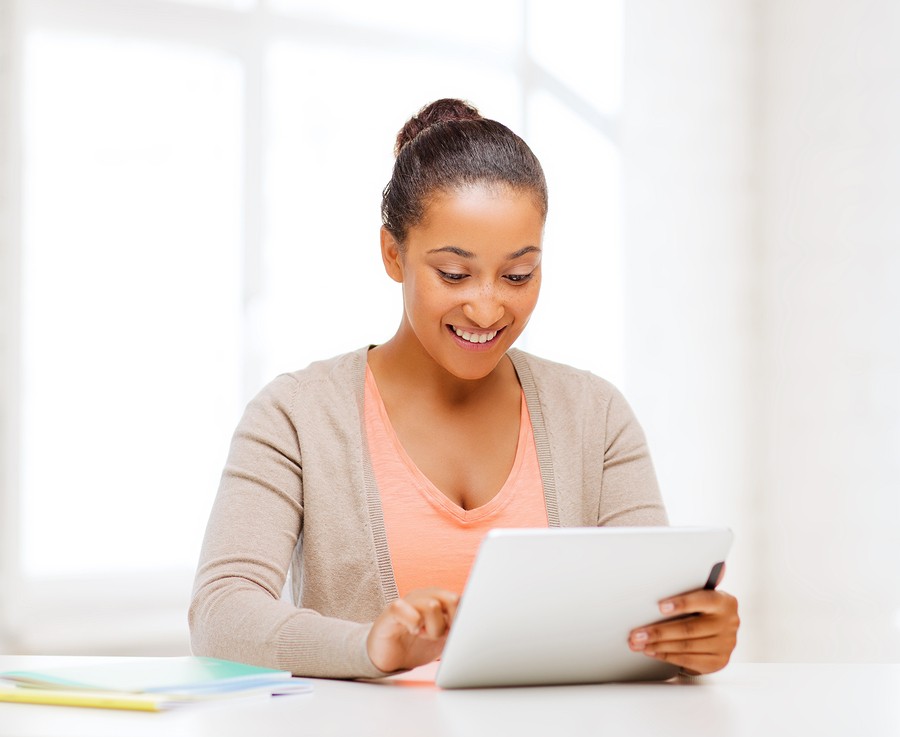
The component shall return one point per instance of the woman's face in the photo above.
(471, 274)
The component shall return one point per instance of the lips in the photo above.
(475, 336)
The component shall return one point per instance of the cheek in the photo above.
(422, 298)
(537, 289)
(526, 299)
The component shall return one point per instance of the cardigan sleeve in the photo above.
(629, 493)
(236, 611)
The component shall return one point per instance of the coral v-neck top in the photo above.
(433, 541)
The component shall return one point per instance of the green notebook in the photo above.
(162, 682)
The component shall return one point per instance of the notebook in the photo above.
(555, 606)
(146, 684)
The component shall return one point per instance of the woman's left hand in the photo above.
(700, 639)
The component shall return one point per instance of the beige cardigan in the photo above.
(298, 491)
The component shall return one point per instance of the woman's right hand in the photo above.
(411, 631)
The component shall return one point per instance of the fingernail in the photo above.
(639, 636)
(667, 607)
(650, 653)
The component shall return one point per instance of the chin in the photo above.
(472, 370)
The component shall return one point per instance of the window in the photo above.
(200, 209)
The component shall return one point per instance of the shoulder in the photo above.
(561, 381)
(334, 383)
(338, 372)
(570, 397)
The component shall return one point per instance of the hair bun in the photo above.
(440, 111)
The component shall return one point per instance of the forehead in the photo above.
(482, 212)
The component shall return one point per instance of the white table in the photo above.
(744, 699)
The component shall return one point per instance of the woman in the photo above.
(375, 474)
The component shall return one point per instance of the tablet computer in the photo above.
(553, 606)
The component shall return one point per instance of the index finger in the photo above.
(449, 599)
(427, 600)
(702, 601)
(449, 602)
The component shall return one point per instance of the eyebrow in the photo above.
(468, 254)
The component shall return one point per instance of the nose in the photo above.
(484, 307)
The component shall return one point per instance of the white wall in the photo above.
(830, 161)
(688, 138)
(763, 236)
(9, 208)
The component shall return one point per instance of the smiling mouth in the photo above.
(475, 337)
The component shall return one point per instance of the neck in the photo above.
(402, 361)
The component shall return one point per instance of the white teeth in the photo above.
(476, 337)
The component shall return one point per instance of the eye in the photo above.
(451, 277)
(519, 278)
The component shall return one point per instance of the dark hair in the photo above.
(448, 145)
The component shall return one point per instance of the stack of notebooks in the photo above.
(147, 684)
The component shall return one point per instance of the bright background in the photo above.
(189, 204)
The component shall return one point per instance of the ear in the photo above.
(391, 255)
